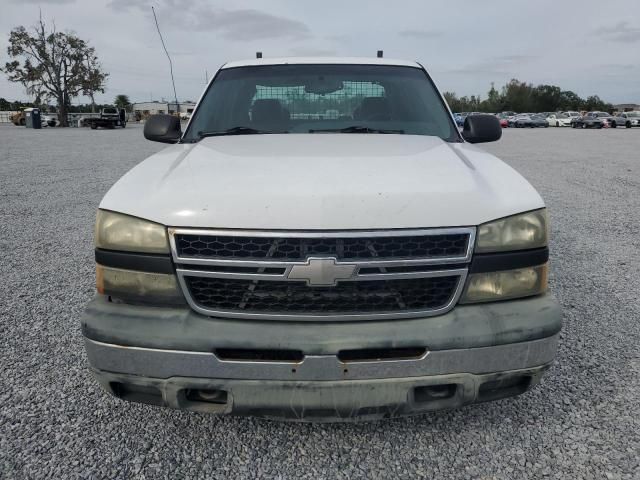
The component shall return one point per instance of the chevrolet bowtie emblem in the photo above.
(322, 272)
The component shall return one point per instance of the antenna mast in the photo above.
(170, 63)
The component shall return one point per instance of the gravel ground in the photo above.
(55, 422)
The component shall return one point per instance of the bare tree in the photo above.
(54, 64)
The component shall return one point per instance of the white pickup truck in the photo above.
(283, 263)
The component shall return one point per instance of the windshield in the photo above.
(633, 114)
(322, 98)
(561, 115)
(110, 110)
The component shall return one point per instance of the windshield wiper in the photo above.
(237, 131)
(357, 129)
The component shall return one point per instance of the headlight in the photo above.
(519, 232)
(115, 231)
(505, 285)
(138, 287)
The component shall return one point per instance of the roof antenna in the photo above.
(380, 52)
(258, 54)
(170, 64)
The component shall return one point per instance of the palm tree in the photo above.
(122, 101)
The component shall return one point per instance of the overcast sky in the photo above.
(588, 46)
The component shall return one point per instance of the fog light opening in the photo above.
(137, 393)
(506, 387)
(218, 397)
(430, 393)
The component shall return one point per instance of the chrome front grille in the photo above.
(342, 248)
(328, 276)
(297, 298)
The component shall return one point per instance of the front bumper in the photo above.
(473, 353)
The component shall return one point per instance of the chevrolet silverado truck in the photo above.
(278, 262)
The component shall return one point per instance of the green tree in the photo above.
(53, 64)
(570, 101)
(121, 101)
(546, 98)
(517, 96)
(452, 100)
(494, 102)
(594, 102)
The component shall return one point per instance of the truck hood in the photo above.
(322, 181)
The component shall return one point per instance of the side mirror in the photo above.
(481, 128)
(163, 128)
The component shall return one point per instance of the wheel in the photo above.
(584, 125)
(613, 125)
(23, 122)
(557, 124)
(93, 126)
(627, 125)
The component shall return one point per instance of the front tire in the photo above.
(613, 125)
(627, 125)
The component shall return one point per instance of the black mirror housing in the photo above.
(163, 128)
(481, 128)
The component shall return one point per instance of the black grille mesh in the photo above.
(294, 249)
(247, 296)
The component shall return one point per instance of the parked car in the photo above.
(631, 119)
(520, 121)
(49, 119)
(591, 120)
(504, 123)
(614, 120)
(539, 121)
(558, 120)
(238, 272)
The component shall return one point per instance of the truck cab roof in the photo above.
(320, 61)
